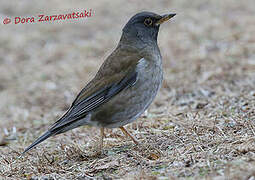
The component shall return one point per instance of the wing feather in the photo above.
(90, 103)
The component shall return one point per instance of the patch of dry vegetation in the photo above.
(200, 126)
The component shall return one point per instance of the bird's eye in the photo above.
(148, 22)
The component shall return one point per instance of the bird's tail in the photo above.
(39, 140)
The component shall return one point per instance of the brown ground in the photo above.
(200, 126)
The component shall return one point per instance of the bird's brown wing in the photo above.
(80, 109)
(113, 76)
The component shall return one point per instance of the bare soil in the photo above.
(201, 125)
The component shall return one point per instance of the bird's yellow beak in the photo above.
(165, 18)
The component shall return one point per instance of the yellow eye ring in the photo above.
(148, 22)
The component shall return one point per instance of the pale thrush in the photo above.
(125, 85)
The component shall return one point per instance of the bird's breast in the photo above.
(131, 102)
(150, 76)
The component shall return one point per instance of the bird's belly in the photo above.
(130, 103)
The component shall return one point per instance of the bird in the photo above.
(124, 86)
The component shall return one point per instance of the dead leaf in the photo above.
(153, 156)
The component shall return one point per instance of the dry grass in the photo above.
(200, 126)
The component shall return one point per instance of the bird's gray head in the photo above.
(143, 27)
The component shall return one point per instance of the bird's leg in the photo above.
(99, 149)
(128, 134)
(101, 139)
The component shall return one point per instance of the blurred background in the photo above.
(208, 52)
